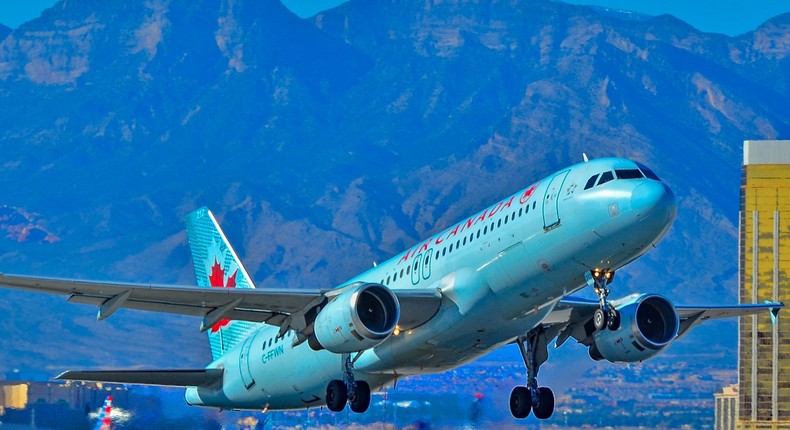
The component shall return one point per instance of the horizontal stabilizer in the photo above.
(170, 378)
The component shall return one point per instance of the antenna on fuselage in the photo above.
(584, 155)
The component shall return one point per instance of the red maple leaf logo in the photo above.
(528, 193)
(217, 279)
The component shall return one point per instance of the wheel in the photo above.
(599, 319)
(614, 319)
(520, 402)
(545, 408)
(336, 395)
(361, 400)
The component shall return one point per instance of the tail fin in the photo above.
(105, 415)
(217, 266)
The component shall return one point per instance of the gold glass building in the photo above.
(764, 274)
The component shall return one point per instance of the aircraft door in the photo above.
(416, 265)
(244, 363)
(426, 265)
(551, 216)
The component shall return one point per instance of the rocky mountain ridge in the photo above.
(325, 144)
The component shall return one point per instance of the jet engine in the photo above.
(649, 323)
(357, 319)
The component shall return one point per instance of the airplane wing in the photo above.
(572, 317)
(270, 305)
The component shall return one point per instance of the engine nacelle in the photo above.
(357, 319)
(648, 324)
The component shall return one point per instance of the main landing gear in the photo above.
(539, 400)
(355, 393)
(606, 316)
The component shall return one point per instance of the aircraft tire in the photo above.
(545, 408)
(613, 322)
(599, 319)
(361, 401)
(336, 395)
(520, 402)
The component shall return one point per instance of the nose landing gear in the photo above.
(606, 316)
(524, 399)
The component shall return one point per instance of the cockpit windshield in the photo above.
(604, 177)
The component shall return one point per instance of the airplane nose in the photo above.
(655, 201)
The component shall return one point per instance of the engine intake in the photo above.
(649, 323)
(359, 318)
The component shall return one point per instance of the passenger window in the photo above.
(534, 204)
(395, 277)
(628, 174)
(451, 248)
(485, 229)
(591, 181)
(478, 234)
(499, 223)
(407, 269)
(388, 280)
(605, 177)
(444, 251)
(464, 240)
(520, 211)
(458, 244)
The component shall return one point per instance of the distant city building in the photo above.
(75, 395)
(764, 266)
(726, 408)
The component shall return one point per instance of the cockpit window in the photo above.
(605, 177)
(591, 181)
(628, 174)
(649, 173)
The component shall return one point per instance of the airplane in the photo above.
(502, 276)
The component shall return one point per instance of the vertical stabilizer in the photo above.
(217, 266)
(105, 415)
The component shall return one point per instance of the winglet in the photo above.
(774, 310)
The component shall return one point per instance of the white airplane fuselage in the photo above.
(500, 273)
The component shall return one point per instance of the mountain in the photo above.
(4, 31)
(328, 143)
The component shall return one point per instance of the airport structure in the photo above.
(764, 274)
(726, 408)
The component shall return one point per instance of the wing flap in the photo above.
(168, 378)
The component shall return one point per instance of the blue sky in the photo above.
(731, 17)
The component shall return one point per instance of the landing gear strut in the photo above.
(540, 400)
(355, 393)
(606, 315)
